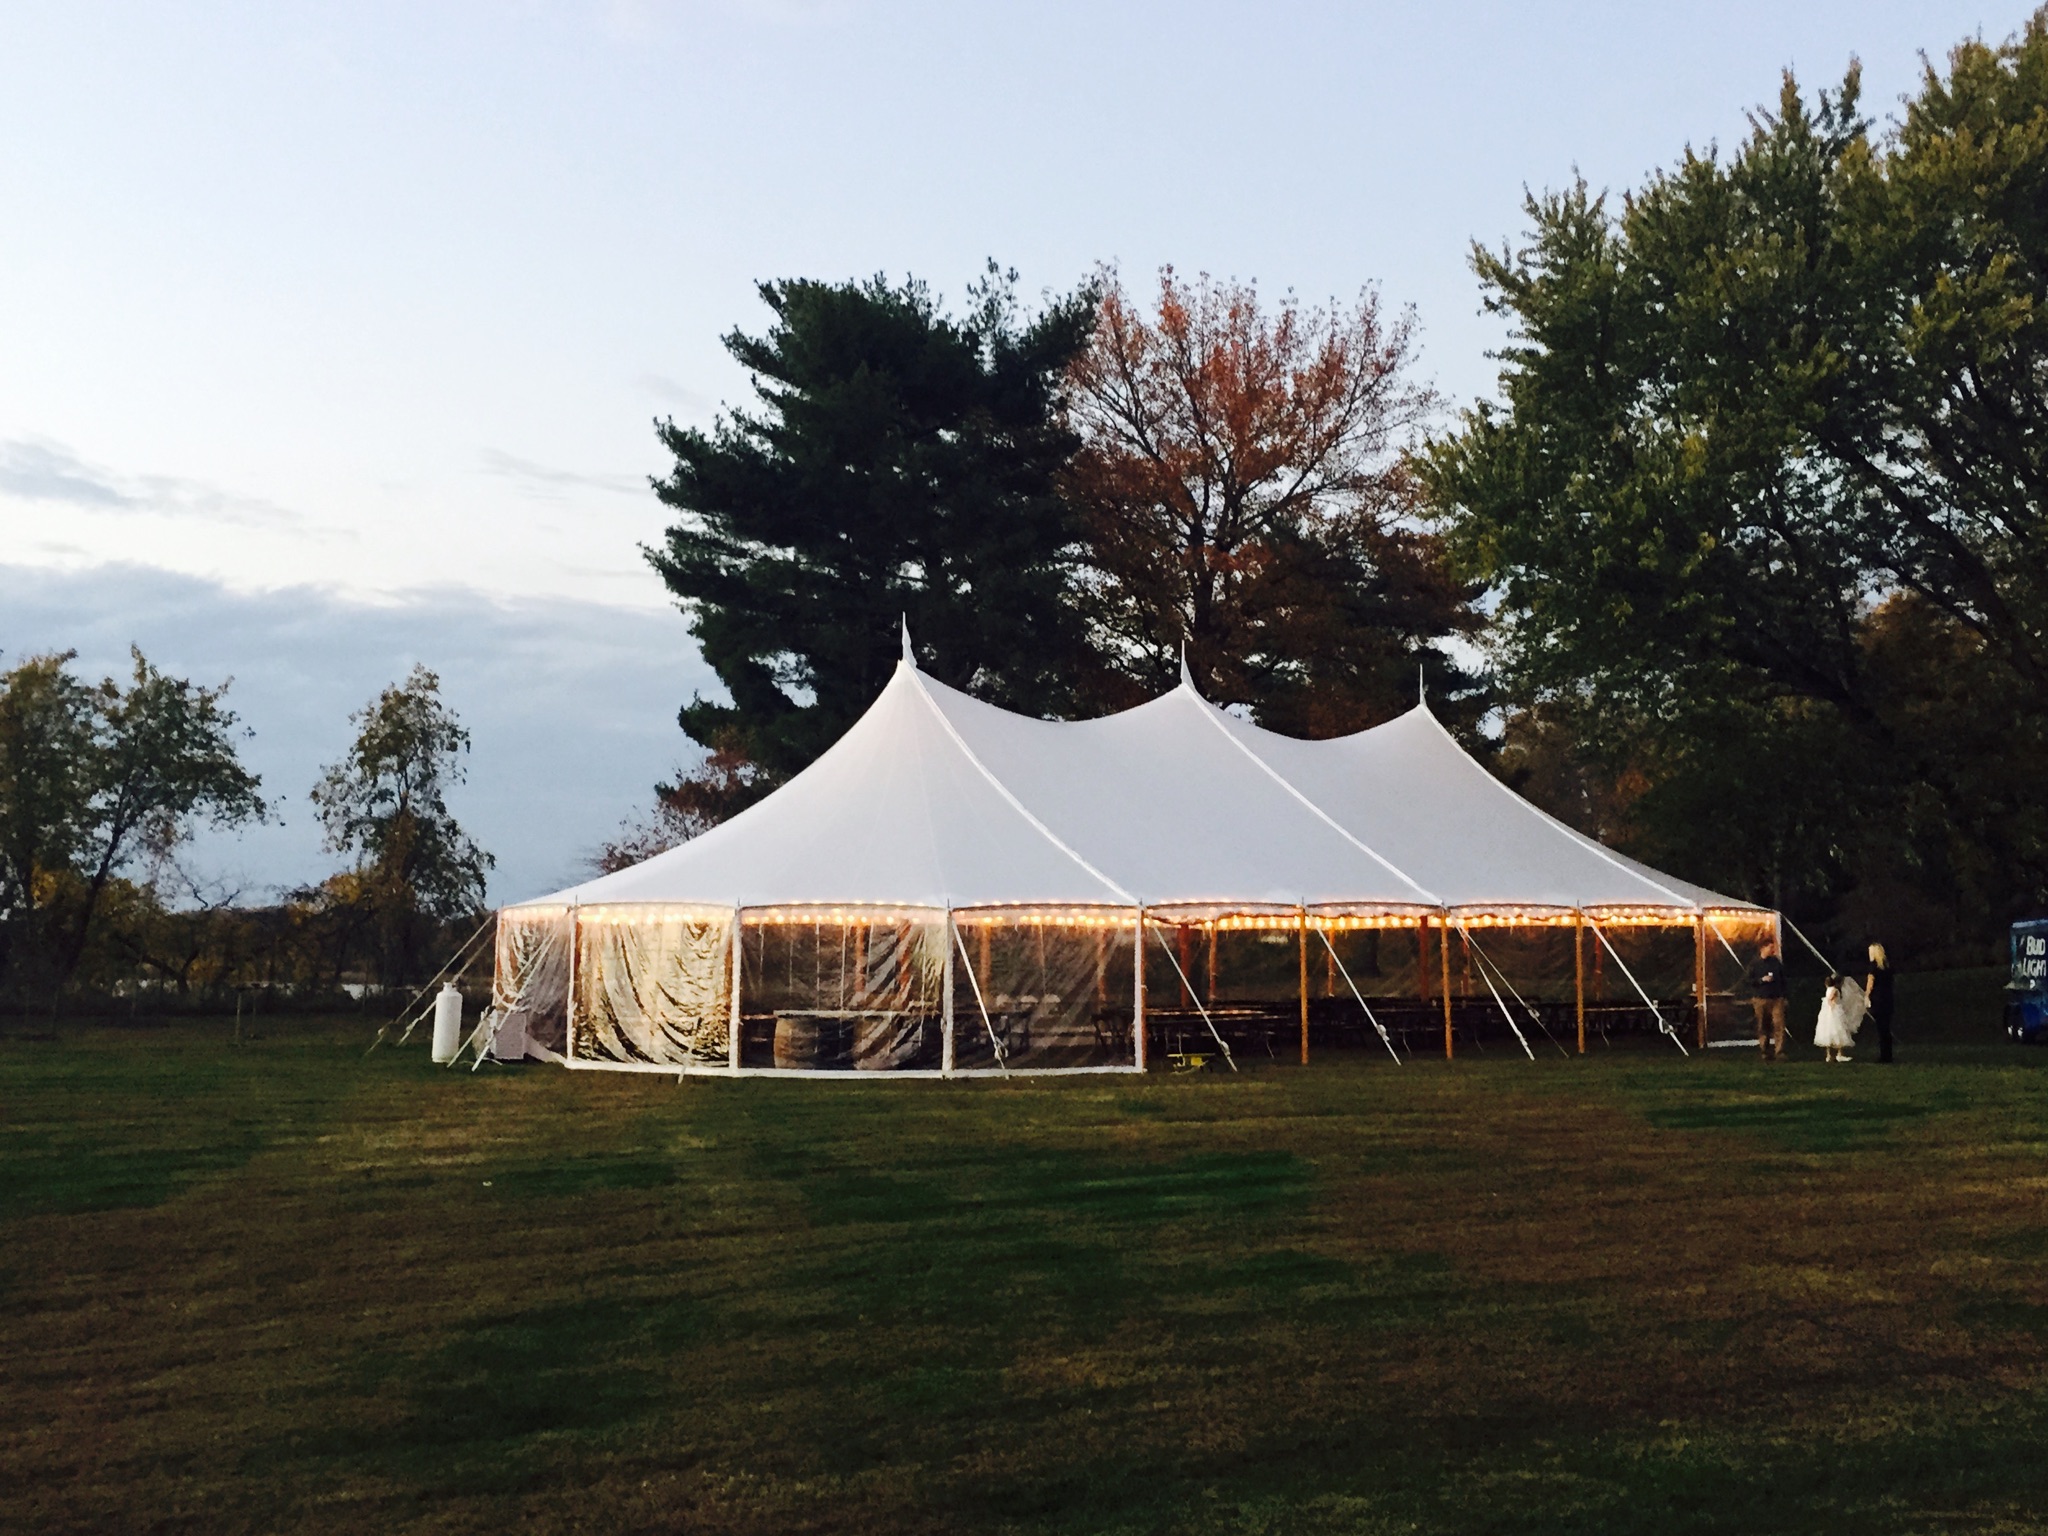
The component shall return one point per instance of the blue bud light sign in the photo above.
(2026, 1002)
(2030, 957)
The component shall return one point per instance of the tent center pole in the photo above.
(1579, 973)
(1303, 935)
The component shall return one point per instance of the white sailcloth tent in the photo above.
(956, 889)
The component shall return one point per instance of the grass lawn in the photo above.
(284, 1286)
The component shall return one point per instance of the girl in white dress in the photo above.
(1841, 1010)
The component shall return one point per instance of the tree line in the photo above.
(103, 784)
(1742, 570)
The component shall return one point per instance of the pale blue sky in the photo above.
(365, 301)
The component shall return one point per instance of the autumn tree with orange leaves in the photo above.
(1242, 492)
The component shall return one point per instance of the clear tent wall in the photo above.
(821, 988)
(1002, 989)
(1604, 976)
(1275, 981)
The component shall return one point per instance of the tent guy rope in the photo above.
(1385, 1039)
(1002, 1056)
(1832, 968)
(1529, 1008)
(1193, 996)
(1655, 1011)
(455, 963)
(1520, 1038)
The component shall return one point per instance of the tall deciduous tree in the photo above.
(93, 780)
(1771, 436)
(386, 804)
(900, 461)
(1245, 502)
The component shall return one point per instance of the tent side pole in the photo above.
(1304, 985)
(1579, 973)
(1443, 950)
(569, 1002)
(946, 999)
(1422, 958)
(1699, 965)
(732, 1024)
(1138, 988)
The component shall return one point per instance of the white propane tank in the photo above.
(447, 1024)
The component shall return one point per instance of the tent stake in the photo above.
(1304, 986)
(1443, 947)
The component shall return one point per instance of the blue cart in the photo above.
(2026, 995)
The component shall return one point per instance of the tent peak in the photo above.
(904, 620)
(1187, 678)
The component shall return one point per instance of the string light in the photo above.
(653, 914)
(1220, 917)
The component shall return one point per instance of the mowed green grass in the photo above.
(285, 1286)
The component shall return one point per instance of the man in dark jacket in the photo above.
(1767, 997)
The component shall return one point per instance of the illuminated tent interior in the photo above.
(955, 889)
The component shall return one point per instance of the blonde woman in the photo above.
(1877, 986)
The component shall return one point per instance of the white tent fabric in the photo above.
(1411, 792)
(935, 799)
(895, 813)
(1162, 800)
(777, 940)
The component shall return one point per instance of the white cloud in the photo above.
(678, 397)
(547, 483)
(40, 470)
